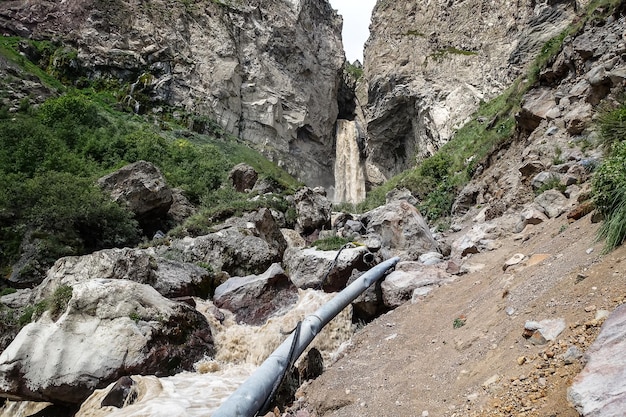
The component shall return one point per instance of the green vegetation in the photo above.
(354, 70)
(554, 183)
(52, 155)
(414, 32)
(459, 322)
(330, 243)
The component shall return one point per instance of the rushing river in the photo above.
(240, 349)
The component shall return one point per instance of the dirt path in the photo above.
(414, 362)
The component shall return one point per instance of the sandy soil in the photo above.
(414, 362)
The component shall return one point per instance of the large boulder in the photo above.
(142, 188)
(243, 177)
(242, 246)
(255, 298)
(327, 270)
(313, 210)
(401, 228)
(600, 389)
(411, 279)
(170, 278)
(109, 328)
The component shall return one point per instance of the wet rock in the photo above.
(108, 329)
(600, 389)
(243, 177)
(121, 394)
(255, 298)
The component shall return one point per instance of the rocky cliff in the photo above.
(428, 65)
(266, 71)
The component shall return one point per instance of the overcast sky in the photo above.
(356, 20)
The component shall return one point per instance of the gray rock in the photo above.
(544, 178)
(142, 188)
(430, 258)
(401, 229)
(399, 286)
(243, 177)
(327, 270)
(553, 202)
(181, 208)
(244, 245)
(478, 238)
(313, 210)
(600, 389)
(255, 298)
(109, 328)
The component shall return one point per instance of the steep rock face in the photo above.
(428, 65)
(267, 71)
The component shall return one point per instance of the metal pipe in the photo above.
(250, 396)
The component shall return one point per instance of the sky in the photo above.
(356, 20)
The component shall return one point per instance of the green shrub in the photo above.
(330, 243)
(60, 299)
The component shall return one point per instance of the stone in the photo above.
(243, 177)
(171, 278)
(401, 229)
(255, 298)
(531, 168)
(327, 270)
(242, 245)
(477, 239)
(549, 329)
(430, 258)
(553, 202)
(514, 260)
(313, 211)
(535, 106)
(142, 188)
(600, 389)
(544, 178)
(62, 359)
(399, 286)
(181, 208)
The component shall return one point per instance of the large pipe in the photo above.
(252, 394)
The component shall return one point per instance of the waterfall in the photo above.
(349, 170)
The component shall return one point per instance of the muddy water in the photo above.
(240, 349)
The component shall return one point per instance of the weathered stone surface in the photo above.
(243, 177)
(600, 389)
(109, 328)
(255, 298)
(266, 71)
(553, 202)
(535, 107)
(313, 210)
(312, 268)
(246, 245)
(421, 66)
(478, 239)
(170, 278)
(402, 229)
(181, 208)
(142, 188)
(399, 286)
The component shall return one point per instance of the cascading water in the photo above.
(349, 169)
(240, 350)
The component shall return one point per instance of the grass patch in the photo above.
(330, 243)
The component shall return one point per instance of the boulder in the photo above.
(327, 270)
(181, 208)
(170, 278)
(313, 210)
(243, 177)
(108, 329)
(536, 105)
(402, 229)
(600, 389)
(255, 298)
(553, 202)
(399, 286)
(479, 238)
(533, 214)
(142, 188)
(242, 246)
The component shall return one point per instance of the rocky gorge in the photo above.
(464, 325)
